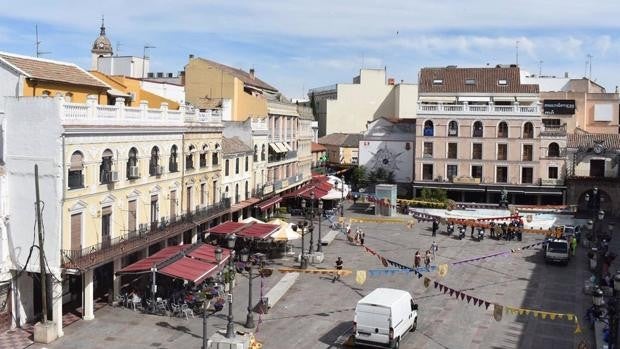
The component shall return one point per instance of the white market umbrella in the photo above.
(286, 233)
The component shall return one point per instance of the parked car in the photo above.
(383, 317)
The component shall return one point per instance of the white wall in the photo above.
(124, 65)
(406, 104)
(9, 84)
(27, 146)
(391, 155)
(170, 91)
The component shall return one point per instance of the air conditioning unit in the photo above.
(113, 176)
(134, 172)
(159, 170)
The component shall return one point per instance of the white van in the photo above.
(383, 317)
(557, 250)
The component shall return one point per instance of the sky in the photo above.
(297, 45)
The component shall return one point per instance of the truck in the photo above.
(383, 317)
(557, 251)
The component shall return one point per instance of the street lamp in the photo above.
(342, 196)
(248, 262)
(230, 243)
(597, 298)
(218, 259)
(300, 227)
(319, 245)
(613, 313)
(311, 228)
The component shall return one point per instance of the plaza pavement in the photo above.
(316, 313)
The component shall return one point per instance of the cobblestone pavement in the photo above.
(317, 313)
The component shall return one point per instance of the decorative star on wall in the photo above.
(386, 158)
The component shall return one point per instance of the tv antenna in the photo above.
(144, 56)
(38, 42)
(517, 52)
(540, 63)
(589, 65)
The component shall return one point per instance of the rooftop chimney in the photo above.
(566, 74)
(191, 56)
(252, 73)
(391, 81)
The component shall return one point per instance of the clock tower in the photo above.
(101, 47)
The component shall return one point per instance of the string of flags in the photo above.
(442, 270)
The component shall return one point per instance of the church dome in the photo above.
(102, 44)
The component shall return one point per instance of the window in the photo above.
(478, 129)
(437, 82)
(528, 150)
(132, 212)
(476, 151)
(453, 129)
(132, 164)
(451, 171)
(502, 174)
(106, 220)
(173, 165)
(553, 172)
(554, 150)
(203, 156)
(76, 231)
(226, 167)
(76, 178)
(214, 159)
(427, 172)
(247, 163)
(452, 151)
(502, 82)
(428, 149)
(173, 205)
(502, 152)
(428, 128)
(470, 81)
(236, 193)
(597, 168)
(528, 130)
(502, 130)
(189, 158)
(105, 169)
(154, 169)
(255, 153)
(476, 171)
(154, 209)
(68, 97)
(236, 165)
(188, 203)
(214, 191)
(203, 193)
(527, 175)
(247, 190)
(263, 153)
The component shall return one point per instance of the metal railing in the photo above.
(110, 249)
(477, 109)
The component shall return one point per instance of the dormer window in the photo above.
(470, 81)
(437, 82)
(502, 82)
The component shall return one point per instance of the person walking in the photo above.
(362, 236)
(339, 263)
(435, 227)
(427, 260)
(417, 260)
(573, 245)
(434, 248)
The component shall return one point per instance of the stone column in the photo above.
(116, 279)
(87, 295)
(57, 305)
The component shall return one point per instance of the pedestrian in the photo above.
(362, 236)
(573, 245)
(427, 260)
(339, 263)
(417, 260)
(434, 248)
(492, 224)
(472, 230)
(357, 235)
(435, 227)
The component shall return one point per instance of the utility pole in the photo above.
(41, 247)
(38, 42)
(540, 68)
(144, 57)
(517, 52)
(589, 66)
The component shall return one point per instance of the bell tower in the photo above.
(101, 47)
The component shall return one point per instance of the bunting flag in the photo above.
(497, 312)
(442, 270)
(360, 277)
(427, 282)
(315, 271)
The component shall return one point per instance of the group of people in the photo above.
(428, 256)
(357, 237)
(507, 231)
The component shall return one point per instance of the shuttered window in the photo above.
(132, 210)
(173, 204)
(76, 231)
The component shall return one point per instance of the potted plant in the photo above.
(219, 304)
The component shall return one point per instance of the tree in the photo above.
(433, 194)
(390, 177)
(358, 176)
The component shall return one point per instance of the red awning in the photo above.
(207, 253)
(269, 202)
(298, 192)
(189, 269)
(147, 263)
(250, 230)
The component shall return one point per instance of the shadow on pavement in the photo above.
(335, 337)
(177, 328)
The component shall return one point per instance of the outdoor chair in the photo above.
(186, 311)
(136, 303)
(176, 310)
(162, 306)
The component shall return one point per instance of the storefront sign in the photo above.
(466, 180)
(559, 106)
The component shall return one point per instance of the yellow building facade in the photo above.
(131, 87)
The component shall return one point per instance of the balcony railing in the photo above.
(553, 130)
(108, 250)
(289, 155)
(477, 109)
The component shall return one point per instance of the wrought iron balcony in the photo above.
(123, 245)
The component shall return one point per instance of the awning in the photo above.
(275, 147)
(145, 265)
(206, 253)
(117, 93)
(268, 203)
(298, 192)
(189, 269)
(245, 230)
(288, 147)
(527, 99)
(503, 99)
(282, 147)
(445, 99)
(474, 99)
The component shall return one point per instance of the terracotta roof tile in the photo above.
(316, 147)
(234, 145)
(481, 80)
(588, 140)
(43, 69)
(347, 140)
(241, 75)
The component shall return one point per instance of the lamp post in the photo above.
(319, 245)
(342, 196)
(300, 228)
(613, 313)
(311, 228)
(248, 261)
(597, 300)
(218, 259)
(230, 243)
